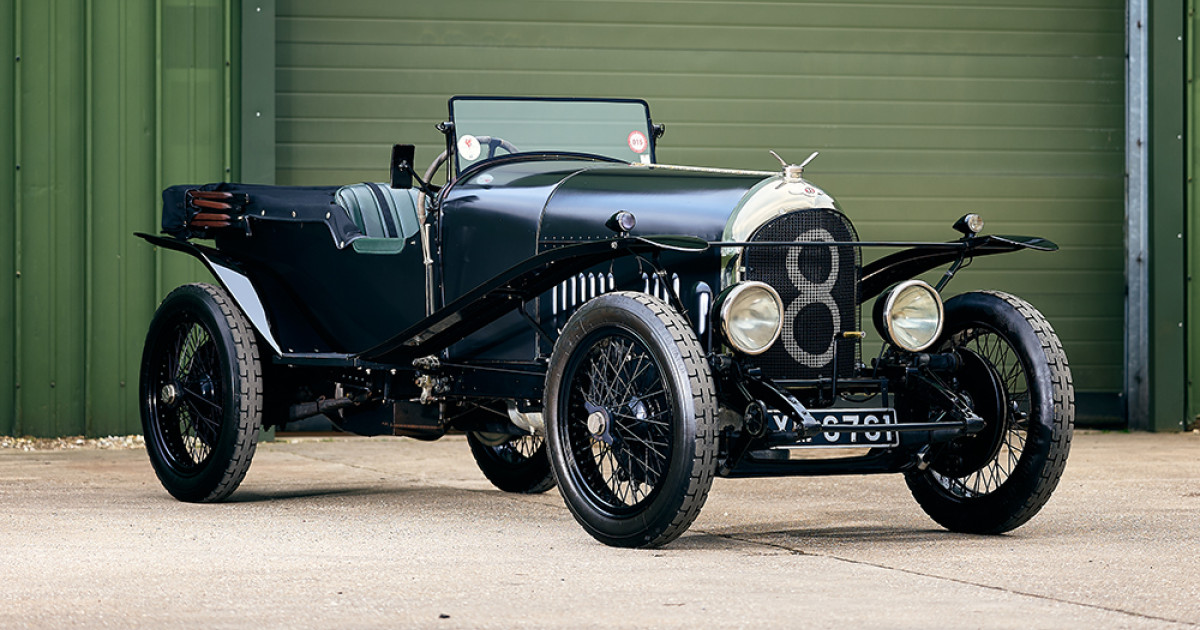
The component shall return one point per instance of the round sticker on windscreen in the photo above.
(468, 148)
(637, 142)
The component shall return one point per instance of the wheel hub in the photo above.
(169, 394)
(981, 388)
(598, 423)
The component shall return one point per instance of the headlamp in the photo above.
(910, 315)
(750, 315)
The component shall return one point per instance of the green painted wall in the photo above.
(1192, 213)
(8, 302)
(107, 102)
(1168, 188)
(921, 111)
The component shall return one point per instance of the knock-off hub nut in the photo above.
(169, 394)
(597, 423)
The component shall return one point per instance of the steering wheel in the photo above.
(493, 143)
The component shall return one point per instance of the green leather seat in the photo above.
(380, 211)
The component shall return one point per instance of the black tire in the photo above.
(994, 487)
(201, 393)
(633, 464)
(513, 463)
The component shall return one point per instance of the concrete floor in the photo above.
(394, 533)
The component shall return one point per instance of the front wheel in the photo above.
(631, 420)
(1015, 374)
(201, 393)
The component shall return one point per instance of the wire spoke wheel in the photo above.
(631, 420)
(201, 393)
(1016, 375)
(617, 429)
(1013, 432)
(521, 449)
(512, 463)
(187, 412)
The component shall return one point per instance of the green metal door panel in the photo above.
(194, 120)
(783, 28)
(122, 184)
(1167, 220)
(8, 270)
(921, 111)
(101, 92)
(52, 233)
(1192, 219)
(925, 17)
(194, 111)
(395, 57)
(901, 89)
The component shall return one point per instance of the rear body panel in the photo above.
(326, 298)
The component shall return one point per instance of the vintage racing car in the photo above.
(590, 318)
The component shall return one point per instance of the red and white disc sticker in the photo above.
(638, 142)
(468, 147)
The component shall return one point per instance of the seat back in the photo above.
(379, 210)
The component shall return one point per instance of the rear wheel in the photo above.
(631, 420)
(1016, 376)
(201, 393)
(512, 463)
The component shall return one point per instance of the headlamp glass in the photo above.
(751, 316)
(911, 315)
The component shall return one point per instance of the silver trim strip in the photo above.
(1137, 144)
(705, 169)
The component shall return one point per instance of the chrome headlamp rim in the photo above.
(885, 314)
(725, 302)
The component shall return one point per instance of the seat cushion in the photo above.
(379, 210)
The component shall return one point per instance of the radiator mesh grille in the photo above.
(819, 289)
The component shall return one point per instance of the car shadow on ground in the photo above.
(414, 494)
(266, 496)
(793, 539)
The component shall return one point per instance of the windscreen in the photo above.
(486, 128)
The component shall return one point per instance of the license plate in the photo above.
(830, 417)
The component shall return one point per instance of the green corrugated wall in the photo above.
(921, 111)
(7, 224)
(1192, 213)
(103, 102)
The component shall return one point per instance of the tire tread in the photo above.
(249, 377)
(702, 390)
(1064, 407)
(966, 518)
(704, 399)
(249, 397)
